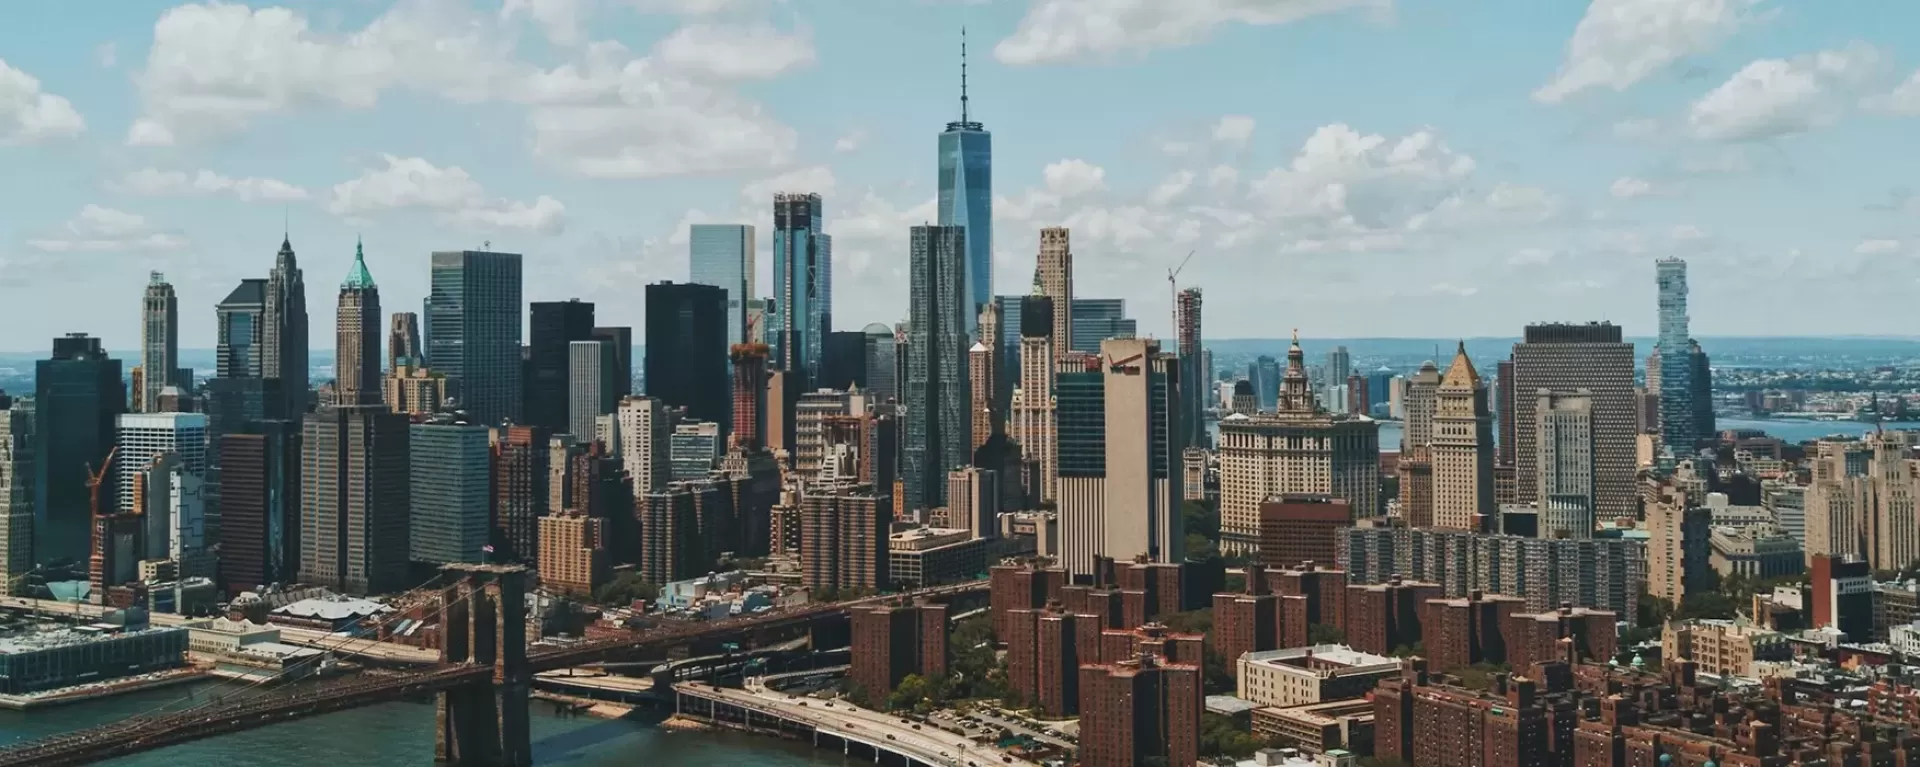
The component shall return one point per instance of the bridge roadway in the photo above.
(870, 728)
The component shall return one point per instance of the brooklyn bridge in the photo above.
(482, 682)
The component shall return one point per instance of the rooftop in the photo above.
(332, 608)
(1325, 659)
(32, 640)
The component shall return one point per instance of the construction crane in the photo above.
(1173, 294)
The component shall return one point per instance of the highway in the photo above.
(843, 719)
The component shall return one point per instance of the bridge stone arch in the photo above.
(484, 623)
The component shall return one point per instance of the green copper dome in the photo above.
(358, 278)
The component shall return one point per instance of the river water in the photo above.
(402, 734)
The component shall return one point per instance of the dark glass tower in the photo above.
(473, 331)
(938, 429)
(283, 333)
(802, 286)
(554, 325)
(686, 364)
(78, 396)
(966, 195)
(722, 255)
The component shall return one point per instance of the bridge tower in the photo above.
(485, 623)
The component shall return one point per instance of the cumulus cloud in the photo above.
(1233, 130)
(98, 229)
(1622, 42)
(413, 183)
(1770, 98)
(153, 182)
(1632, 187)
(1363, 181)
(1074, 177)
(1904, 99)
(563, 21)
(1175, 186)
(1062, 30)
(1877, 247)
(29, 114)
(752, 52)
(850, 141)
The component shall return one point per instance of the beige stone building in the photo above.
(1725, 648)
(1462, 449)
(1862, 501)
(1416, 445)
(1032, 423)
(1679, 547)
(415, 390)
(1119, 463)
(1564, 442)
(572, 552)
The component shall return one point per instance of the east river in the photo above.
(402, 734)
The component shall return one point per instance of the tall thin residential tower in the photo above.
(159, 341)
(966, 194)
(1676, 372)
(802, 285)
(936, 388)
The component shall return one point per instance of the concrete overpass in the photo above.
(837, 724)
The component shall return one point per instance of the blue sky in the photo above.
(1348, 167)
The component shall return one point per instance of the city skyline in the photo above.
(1742, 137)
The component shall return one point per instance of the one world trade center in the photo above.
(966, 193)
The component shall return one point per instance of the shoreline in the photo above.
(69, 695)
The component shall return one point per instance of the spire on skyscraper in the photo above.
(358, 277)
(963, 74)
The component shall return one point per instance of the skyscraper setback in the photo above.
(1676, 347)
(966, 196)
(802, 285)
(159, 342)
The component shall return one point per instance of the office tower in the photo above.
(844, 361)
(1033, 426)
(1053, 278)
(1861, 502)
(1565, 441)
(522, 463)
(259, 505)
(592, 387)
(643, 441)
(159, 342)
(1503, 413)
(168, 501)
(881, 362)
(16, 494)
(823, 419)
(552, 328)
(1676, 385)
(143, 437)
(354, 499)
(242, 323)
(802, 285)
(1265, 376)
(1297, 448)
(473, 314)
(892, 642)
(1334, 378)
(1119, 457)
(1462, 449)
(1566, 357)
(843, 532)
(1841, 594)
(998, 392)
(692, 450)
(1193, 377)
(1702, 400)
(451, 491)
(722, 255)
(1416, 447)
(1678, 546)
(415, 391)
(356, 360)
(403, 341)
(966, 199)
(937, 392)
(1379, 385)
(687, 350)
(621, 337)
(78, 395)
(1140, 711)
(973, 501)
(283, 332)
(1098, 319)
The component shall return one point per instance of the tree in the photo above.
(1190, 622)
(1216, 676)
(1221, 736)
(1321, 633)
(626, 589)
(913, 691)
(1417, 649)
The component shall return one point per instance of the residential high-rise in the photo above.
(521, 466)
(415, 391)
(881, 362)
(451, 491)
(159, 342)
(722, 255)
(16, 493)
(260, 505)
(78, 397)
(1564, 438)
(356, 359)
(1678, 546)
(937, 389)
(687, 350)
(1053, 279)
(981, 377)
(1416, 447)
(843, 532)
(1193, 376)
(669, 533)
(1702, 399)
(1676, 378)
(473, 315)
(1503, 412)
(1566, 357)
(355, 499)
(573, 555)
(592, 385)
(802, 286)
(403, 341)
(966, 199)
(1119, 456)
(750, 401)
(552, 327)
(1297, 448)
(1033, 426)
(644, 427)
(891, 642)
(143, 437)
(693, 450)
(283, 332)
(1462, 449)
(1140, 711)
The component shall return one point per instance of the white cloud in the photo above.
(1233, 130)
(1621, 42)
(1637, 128)
(1632, 187)
(818, 179)
(413, 183)
(108, 54)
(734, 52)
(28, 114)
(98, 229)
(1344, 178)
(1060, 30)
(1877, 247)
(1223, 177)
(690, 7)
(1904, 99)
(850, 142)
(1074, 177)
(1173, 188)
(563, 21)
(1779, 97)
(153, 182)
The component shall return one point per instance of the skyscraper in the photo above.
(144, 437)
(721, 255)
(1053, 278)
(242, 331)
(403, 341)
(450, 492)
(1266, 382)
(966, 196)
(283, 334)
(1462, 449)
(1032, 424)
(621, 337)
(1119, 456)
(159, 341)
(259, 505)
(936, 391)
(802, 285)
(1193, 376)
(1416, 447)
(16, 493)
(78, 395)
(473, 312)
(1676, 375)
(1567, 357)
(1702, 381)
(521, 465)
(592, 389)
(552, 327)
(356, 360)
(1334, 378)
(1098, 319)
(1565, 442)
(355, 497)
(686, 350)
(881, 362)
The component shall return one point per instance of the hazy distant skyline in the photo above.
(1355, 168)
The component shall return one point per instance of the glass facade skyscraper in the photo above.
(966, 198)
(1676, 368)
(473, 312)
(721, 255)
(802, 285)
(938, 430)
